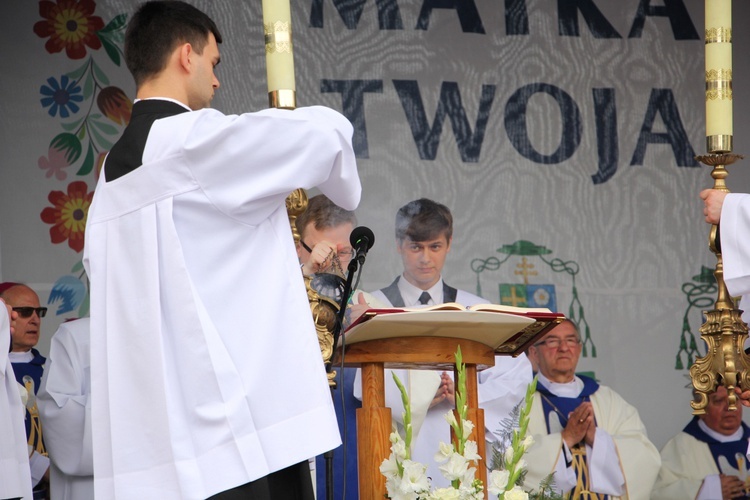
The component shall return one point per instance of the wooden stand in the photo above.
(374, 418)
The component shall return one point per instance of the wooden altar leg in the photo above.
(373, 432)
(476, 415)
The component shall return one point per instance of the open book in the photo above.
(506, 329)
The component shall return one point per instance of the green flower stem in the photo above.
(407, 416)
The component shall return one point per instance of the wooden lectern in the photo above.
(374, 418)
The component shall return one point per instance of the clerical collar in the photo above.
(163, 99)
(21, 357)
(411, 293)
(722, 438)
(566, 390)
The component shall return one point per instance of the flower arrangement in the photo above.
(506, 480)
(407, 480)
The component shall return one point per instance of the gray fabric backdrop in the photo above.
(570, 125)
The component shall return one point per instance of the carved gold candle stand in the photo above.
(723, 331)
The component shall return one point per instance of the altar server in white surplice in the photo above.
(424, 233)
(207, 376)
(65, 409)
(586, 433)
(15, 476)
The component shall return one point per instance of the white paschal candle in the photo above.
(719, 75)
(277, 28)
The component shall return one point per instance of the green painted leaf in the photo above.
(77, 267)
(72, 125)
(105, 127)
(99, 75)
(76, 74)
(111, 50)
(88, 87)
(102, 141)
(88, 164)
(116, 24)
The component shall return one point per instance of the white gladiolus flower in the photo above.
(395, 437)
(450, 418)
(389, 467)
(399, 449)
(527, 442)
(446, 494)
(415, 478)
(445, 451)
(516, 494)
(521, 464)
(471, 451)
(498, 480)
(455, 467)
(468, 427)
(509, 451)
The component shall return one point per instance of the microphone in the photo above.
(362, 239)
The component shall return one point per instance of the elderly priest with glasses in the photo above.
(28, 366)
(585, 433)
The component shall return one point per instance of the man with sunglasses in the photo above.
(28, 366)
(585, 433)
(15, 477)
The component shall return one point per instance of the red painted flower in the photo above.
(115, 105)
(68, 214)
(70, 25)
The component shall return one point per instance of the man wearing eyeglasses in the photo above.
(28, 366)
(585, 433)
(324, 247)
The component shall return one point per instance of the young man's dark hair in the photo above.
(422, 220)
(157, 28)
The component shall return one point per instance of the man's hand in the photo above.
(713, 200)
(580, 426)
(731, 487)
(446, 391)
(321, 258)
(354, 311)
(743, 395)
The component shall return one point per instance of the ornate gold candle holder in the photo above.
(723, 331)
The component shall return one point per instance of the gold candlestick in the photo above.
(724, 331)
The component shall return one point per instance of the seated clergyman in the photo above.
(585, 433)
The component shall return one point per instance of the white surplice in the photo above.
(206, 369)
(65, 411)
(15, 476)
(735, 248)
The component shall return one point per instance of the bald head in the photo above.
(27, 329)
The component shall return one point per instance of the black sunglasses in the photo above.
(26, 312)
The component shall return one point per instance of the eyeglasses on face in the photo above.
(555, 342)
(343, 254)
(26, 312)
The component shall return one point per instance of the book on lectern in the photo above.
(508, 330)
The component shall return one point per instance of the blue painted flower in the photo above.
(62, 96)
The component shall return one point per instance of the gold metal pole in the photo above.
(277, 30)
(723, 331)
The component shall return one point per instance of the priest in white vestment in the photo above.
(65, 410)
(207, 377)
(15, 475)
(585, 433)
(706, 460)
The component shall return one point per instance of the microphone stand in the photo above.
(328, 456)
